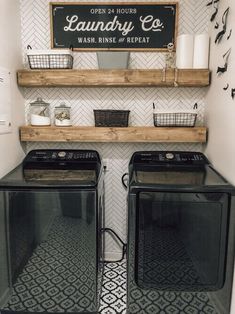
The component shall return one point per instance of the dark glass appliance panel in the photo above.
(53, 250)
(51, 207)
(181, 241)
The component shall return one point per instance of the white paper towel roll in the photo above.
(184, 51)
(201, 51)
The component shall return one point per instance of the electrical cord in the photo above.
(124, 178)
(124, 245)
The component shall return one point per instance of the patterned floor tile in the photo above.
(113, 297)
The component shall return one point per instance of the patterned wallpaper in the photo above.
(193, 18)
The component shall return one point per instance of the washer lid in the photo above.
(62, 165)
(60, 175)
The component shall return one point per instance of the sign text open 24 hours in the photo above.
(113, 26)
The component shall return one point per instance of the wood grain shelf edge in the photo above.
(115, 77)
(111, 134)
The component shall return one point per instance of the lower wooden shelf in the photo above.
(118, 78)
(112, 134)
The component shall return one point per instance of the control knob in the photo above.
(61, 154)
(169, 156)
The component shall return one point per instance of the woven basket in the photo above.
(112, 118)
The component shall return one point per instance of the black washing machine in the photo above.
(180, 235)
(51, 239)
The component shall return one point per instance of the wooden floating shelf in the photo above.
(116, 78)
(111, 134)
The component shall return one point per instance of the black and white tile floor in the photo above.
(113, 296)
(58, 279)
(54, 280)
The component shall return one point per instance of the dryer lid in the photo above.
(173, 169)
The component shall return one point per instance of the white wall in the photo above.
(10, 58)
(11, 152)
(220, 108)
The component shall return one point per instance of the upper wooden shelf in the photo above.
(108, 134)
(118, 78)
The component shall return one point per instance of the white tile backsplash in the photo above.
(193, 17)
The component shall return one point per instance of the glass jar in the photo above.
(40, 112)
(62, 115)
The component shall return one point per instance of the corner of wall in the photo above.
(10, 58)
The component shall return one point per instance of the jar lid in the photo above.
(39, 102)
(62, 106)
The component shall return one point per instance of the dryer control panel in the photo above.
(169, 157)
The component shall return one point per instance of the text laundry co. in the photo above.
(94, 26)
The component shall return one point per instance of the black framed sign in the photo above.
(113, 26)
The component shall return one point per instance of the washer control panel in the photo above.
(74, 155)
(53, 156)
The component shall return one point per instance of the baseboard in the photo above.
(112, 256)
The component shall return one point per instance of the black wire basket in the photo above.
(111, 118)
(184, 119)
(50, 60)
